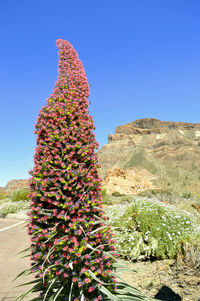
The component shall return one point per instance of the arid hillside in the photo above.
(13, 185)
(149, 153)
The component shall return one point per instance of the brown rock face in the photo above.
(152, 125)
(128, 181)
(168, 150)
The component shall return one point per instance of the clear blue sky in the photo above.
(142, 59)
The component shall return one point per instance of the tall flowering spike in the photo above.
(68, 230)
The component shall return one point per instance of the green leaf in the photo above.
(123, 267)
(131, 292)
(108, 293)
(25, 272)
(40, 298)
(31, 290)
(99, 229)
(25, 256)
(70, 293)
(24, 251)
(97, 279)
(49, 289)
(58, 293)
(30, 282)
(53, 265)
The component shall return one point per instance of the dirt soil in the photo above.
(165, 280)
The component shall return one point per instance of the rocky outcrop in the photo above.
(168, 150)
(152, 125)
(128, 181)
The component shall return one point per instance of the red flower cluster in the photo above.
(68, 231)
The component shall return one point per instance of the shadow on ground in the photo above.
(167, 294)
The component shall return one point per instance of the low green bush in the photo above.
(13, 208)
(147, 228)
(20, 194)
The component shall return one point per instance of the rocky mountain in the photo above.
(13, 185)
(149, 153)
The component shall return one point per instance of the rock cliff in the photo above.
(168, 151)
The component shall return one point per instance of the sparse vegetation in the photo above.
(136, 158)
(20, 194)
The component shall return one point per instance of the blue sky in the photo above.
(142, 59)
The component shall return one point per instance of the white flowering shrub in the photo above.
(9, 208)
(146, 228)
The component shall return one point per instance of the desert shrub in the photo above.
(118, 194)
(151, 229)
(186, 195)
(190, 250)
(20, 194)
(14, 208)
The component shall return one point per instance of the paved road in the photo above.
(13, 239)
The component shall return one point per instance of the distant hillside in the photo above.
(169, 152)
(13, 185)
